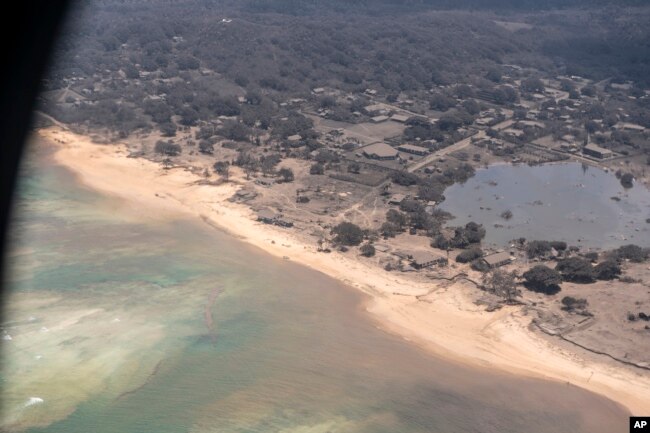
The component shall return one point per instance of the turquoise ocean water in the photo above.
(117, 324)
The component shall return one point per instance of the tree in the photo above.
(167, 163)
(167, 148)
(541, 278)
(501, 283)
(206, 147)
(627, 180)
(367, 250)
(404, 178)
(468, 255)
(571, 304)
(607, 270)
(532, 85)
(189, 116)
(347, 233)
(389, 230)
(633, 253)
(441, 242)
(235, 131)
(317, 168)
(450, 122)
(222, 168)
(167, 129)
(397, 218)
(354, 167)
(576, 269)
(506, 214)
(286, 174)
(558, 245)
(268, 162)
(537, 249)
(472, 233)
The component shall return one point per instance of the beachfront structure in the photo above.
(596, 151)
(380, 151)
(269, 217)
(425, 259)
(495, 260)
(415, 150)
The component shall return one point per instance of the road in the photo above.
(442, 152)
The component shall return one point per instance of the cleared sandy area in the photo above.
(444, 320)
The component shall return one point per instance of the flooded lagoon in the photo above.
(122, 325)
(584, 206)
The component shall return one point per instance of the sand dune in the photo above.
(448, 324)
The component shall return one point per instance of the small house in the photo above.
(415, 150)
(496, 260)
(396, 199)
(380, 151)
(425, 259)
(267, 216)
(596, 151)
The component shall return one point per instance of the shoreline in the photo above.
(445, 322)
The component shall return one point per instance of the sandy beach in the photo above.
(444, 322)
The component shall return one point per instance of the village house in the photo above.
(380, 151)
(425, 259)
(401, 118)
(269, 217)
(294, 138)
(379, 119)
(627, 126)
(415, 150)
(374, 109)
(396, 199)
(266, 216)
(596, 151)
(496, 260)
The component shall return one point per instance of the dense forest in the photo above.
(270, 51)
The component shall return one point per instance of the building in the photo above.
(513, 133)
(380, 151)
(294, 138)
(497, 259)
(424, 259)
(401, 118)
(627, 126)
(267, 216)
(318, 90)
(379, 119)
(415, 150)
(532, 124)
(374, 109)
(396, 199)
(596, 151)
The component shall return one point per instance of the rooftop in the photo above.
(495, 258)
(422, 257)
(413, 148)
(381, 150)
